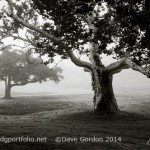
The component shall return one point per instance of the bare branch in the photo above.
(57, 64)
(11, 45)
(34, 62)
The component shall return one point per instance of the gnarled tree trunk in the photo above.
(105, 102)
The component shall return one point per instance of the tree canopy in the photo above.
(15, 70)
(71, 24)
(124, 22)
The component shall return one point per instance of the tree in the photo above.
(15, 70)
(90, 28)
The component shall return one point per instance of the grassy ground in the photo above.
(72, 117)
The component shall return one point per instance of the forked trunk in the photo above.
(106, 102)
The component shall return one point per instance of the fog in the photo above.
(76, 81)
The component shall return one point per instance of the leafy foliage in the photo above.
(71, 27)
(14, 64)
(124, 22)
(134, 20)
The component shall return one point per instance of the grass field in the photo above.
(72, 117)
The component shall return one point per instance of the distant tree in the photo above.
(72, 28)
(15, 70)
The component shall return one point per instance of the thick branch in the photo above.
(120, 69)
(78, 62)
(116, 66)
(126, 63)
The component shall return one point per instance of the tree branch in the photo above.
(21, 84)
(19, 38)
(78, 62)
(126, 63)
(11, 45)
(73, 58)
(115, 66)
(120, 69)
(15, 17)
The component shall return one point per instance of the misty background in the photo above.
(76, 81)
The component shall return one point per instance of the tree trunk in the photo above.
(106, 102)
(8, 92)
(8, 88)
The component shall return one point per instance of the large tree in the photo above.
(91, 28)
(16, 70)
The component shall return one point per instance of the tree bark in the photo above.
(8, 88)
(106, 102)
(8, 92)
